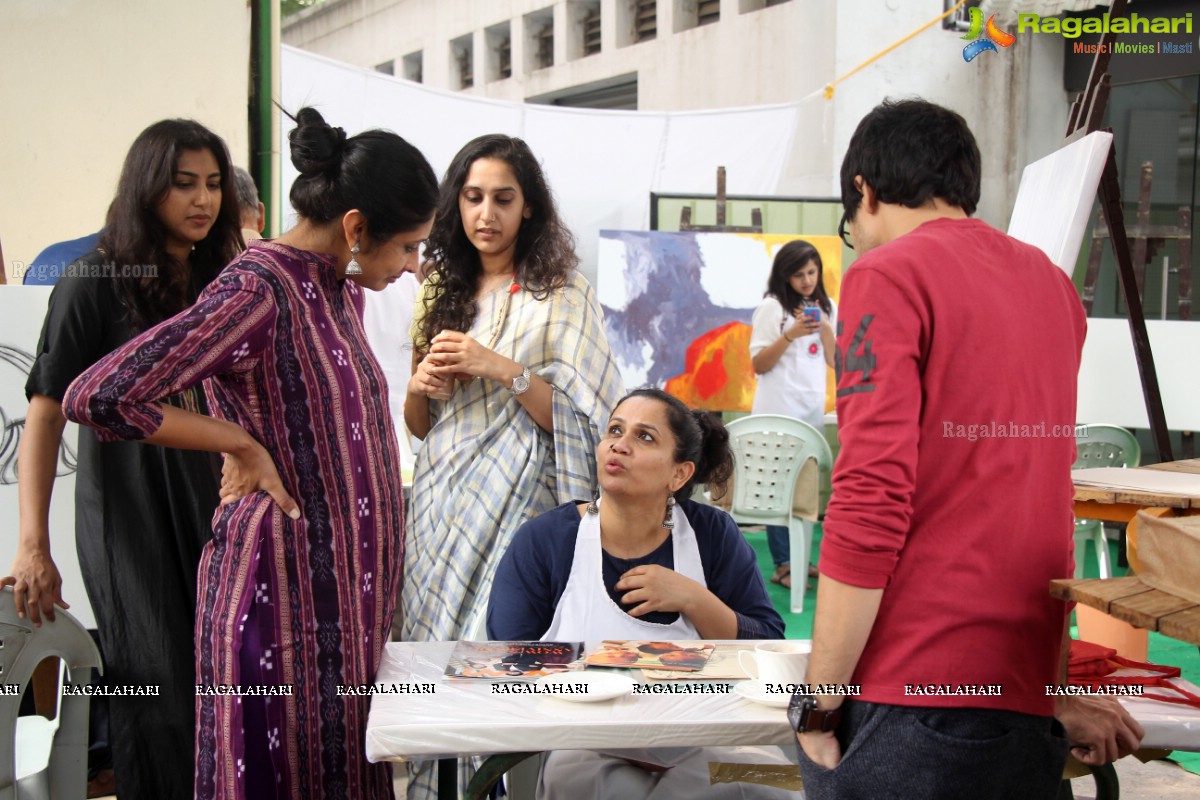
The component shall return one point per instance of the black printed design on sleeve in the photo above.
(858, 358)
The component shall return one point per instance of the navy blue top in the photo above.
(533, 574)
(48, 267)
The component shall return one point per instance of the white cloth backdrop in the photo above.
(602, 165)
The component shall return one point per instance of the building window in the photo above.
(539, 39)
(412, 67)
(590, 28)
(462, 56)
(387, 67)
(694, 13)
(619, 92)
(499, 51)
(708, 11)
(637, 21)
(583, 28)
(746, 6)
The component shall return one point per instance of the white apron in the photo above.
(586, 612)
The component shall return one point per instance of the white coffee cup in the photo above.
(776, 662)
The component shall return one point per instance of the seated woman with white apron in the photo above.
(640, 562)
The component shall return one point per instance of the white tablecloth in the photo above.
(463, 718)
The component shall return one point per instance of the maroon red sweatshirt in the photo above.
(959, 351)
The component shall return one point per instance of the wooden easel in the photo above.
(1086, 114)
(685, 216)
(1145, 237)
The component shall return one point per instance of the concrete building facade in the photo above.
(675, 55)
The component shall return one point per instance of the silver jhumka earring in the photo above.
(354, 268)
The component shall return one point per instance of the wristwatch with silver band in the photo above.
(520, 384)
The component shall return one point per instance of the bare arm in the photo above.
(1099, 729)
(766, 359)
(416, 401)
(841, 626)
(828, 341)
(35, 579)
(188, 430)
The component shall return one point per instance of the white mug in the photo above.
(776, 662)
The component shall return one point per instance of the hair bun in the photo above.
(316, 146)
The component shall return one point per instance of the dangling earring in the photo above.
(593, 507)
(354, 268)
(669, 519)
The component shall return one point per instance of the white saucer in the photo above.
(600, 686)
(756, 693)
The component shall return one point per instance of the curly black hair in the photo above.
(545, 247)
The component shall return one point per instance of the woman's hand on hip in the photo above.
(253, 470)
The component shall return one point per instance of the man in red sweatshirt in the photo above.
(958, 352)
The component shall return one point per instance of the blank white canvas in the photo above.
(1110, 390)
(1055, 198)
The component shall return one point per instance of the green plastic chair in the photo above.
(1100, 446)
(768, 451)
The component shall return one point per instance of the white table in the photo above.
(461, 718)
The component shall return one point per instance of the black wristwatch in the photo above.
(805, 717)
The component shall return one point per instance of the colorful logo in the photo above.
(986, 37)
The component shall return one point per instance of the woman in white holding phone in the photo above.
(791, 344)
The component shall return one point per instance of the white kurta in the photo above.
(795, 386)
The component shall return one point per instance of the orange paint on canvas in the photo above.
(717, 373)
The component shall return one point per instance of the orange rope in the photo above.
(882, 53)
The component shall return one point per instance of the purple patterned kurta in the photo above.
(306, 603)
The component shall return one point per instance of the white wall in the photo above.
(81, 78)
(1013, 100)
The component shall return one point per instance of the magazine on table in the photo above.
(636, 654)
(512, 661)
(722, 666)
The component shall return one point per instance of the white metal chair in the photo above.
(52, 762)
(769, 450)
(1100, 446)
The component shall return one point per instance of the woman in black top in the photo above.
(142, 513)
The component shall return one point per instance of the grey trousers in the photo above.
(940, 753)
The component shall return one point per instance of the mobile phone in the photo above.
(813, 313)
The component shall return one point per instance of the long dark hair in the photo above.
(700, 437)
(790, 259)
(545, 249)
(135, 238)
(376, 172)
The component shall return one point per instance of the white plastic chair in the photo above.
(1102, 446)
(52, 762)
(769, 450)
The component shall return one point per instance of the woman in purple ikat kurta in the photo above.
(298, 586)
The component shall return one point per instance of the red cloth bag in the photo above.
(1092, 665)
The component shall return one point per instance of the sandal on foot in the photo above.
(783, 577)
